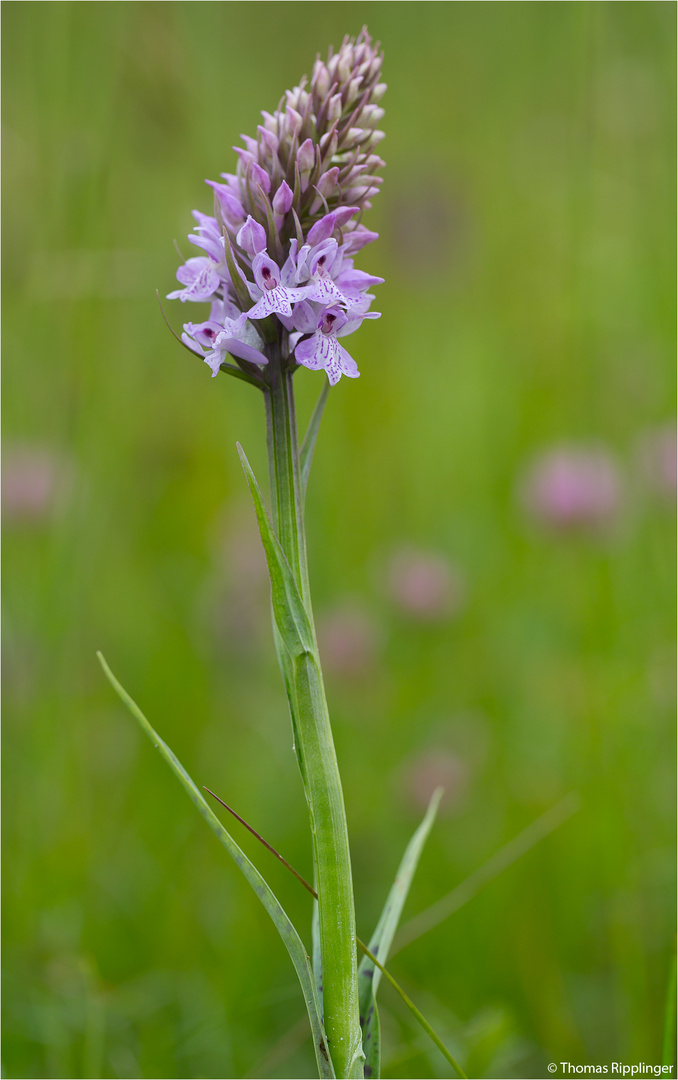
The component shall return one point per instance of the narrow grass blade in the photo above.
(283, 925)
(494, 866)
(308, 445)
(369, 975)
(669, 1038)
(288, 608)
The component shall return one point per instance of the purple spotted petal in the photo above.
(323, 351)
(347, 363)
(214, 360)
(324, 291)
(314, 351)
(276, 301)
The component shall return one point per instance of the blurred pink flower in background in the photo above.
(348, 640)
(433, 769)
(424, 585)
(34, 480)
(657, 458)
(572, 487)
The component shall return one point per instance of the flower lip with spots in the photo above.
(271, 295)
(322, 350)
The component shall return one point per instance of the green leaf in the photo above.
(308, 445)
(369, 974)
(284, 926)
(289, 612)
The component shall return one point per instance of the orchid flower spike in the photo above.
(278, 263)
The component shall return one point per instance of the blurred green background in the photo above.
(471, 633)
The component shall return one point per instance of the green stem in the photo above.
(315, 747)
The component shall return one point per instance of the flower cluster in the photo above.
(278, 263)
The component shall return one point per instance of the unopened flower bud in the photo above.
(328, 181)
(321, 81)
(353, 89)
(251, 145)
(283, 198)
(295, 120)
(252, 237)
(334, 109)
(306, 161)
(269, 140)
(329, 143)
(270, 122)
(231, 208)
(343, 66)
(370, 116)
(260, 176)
